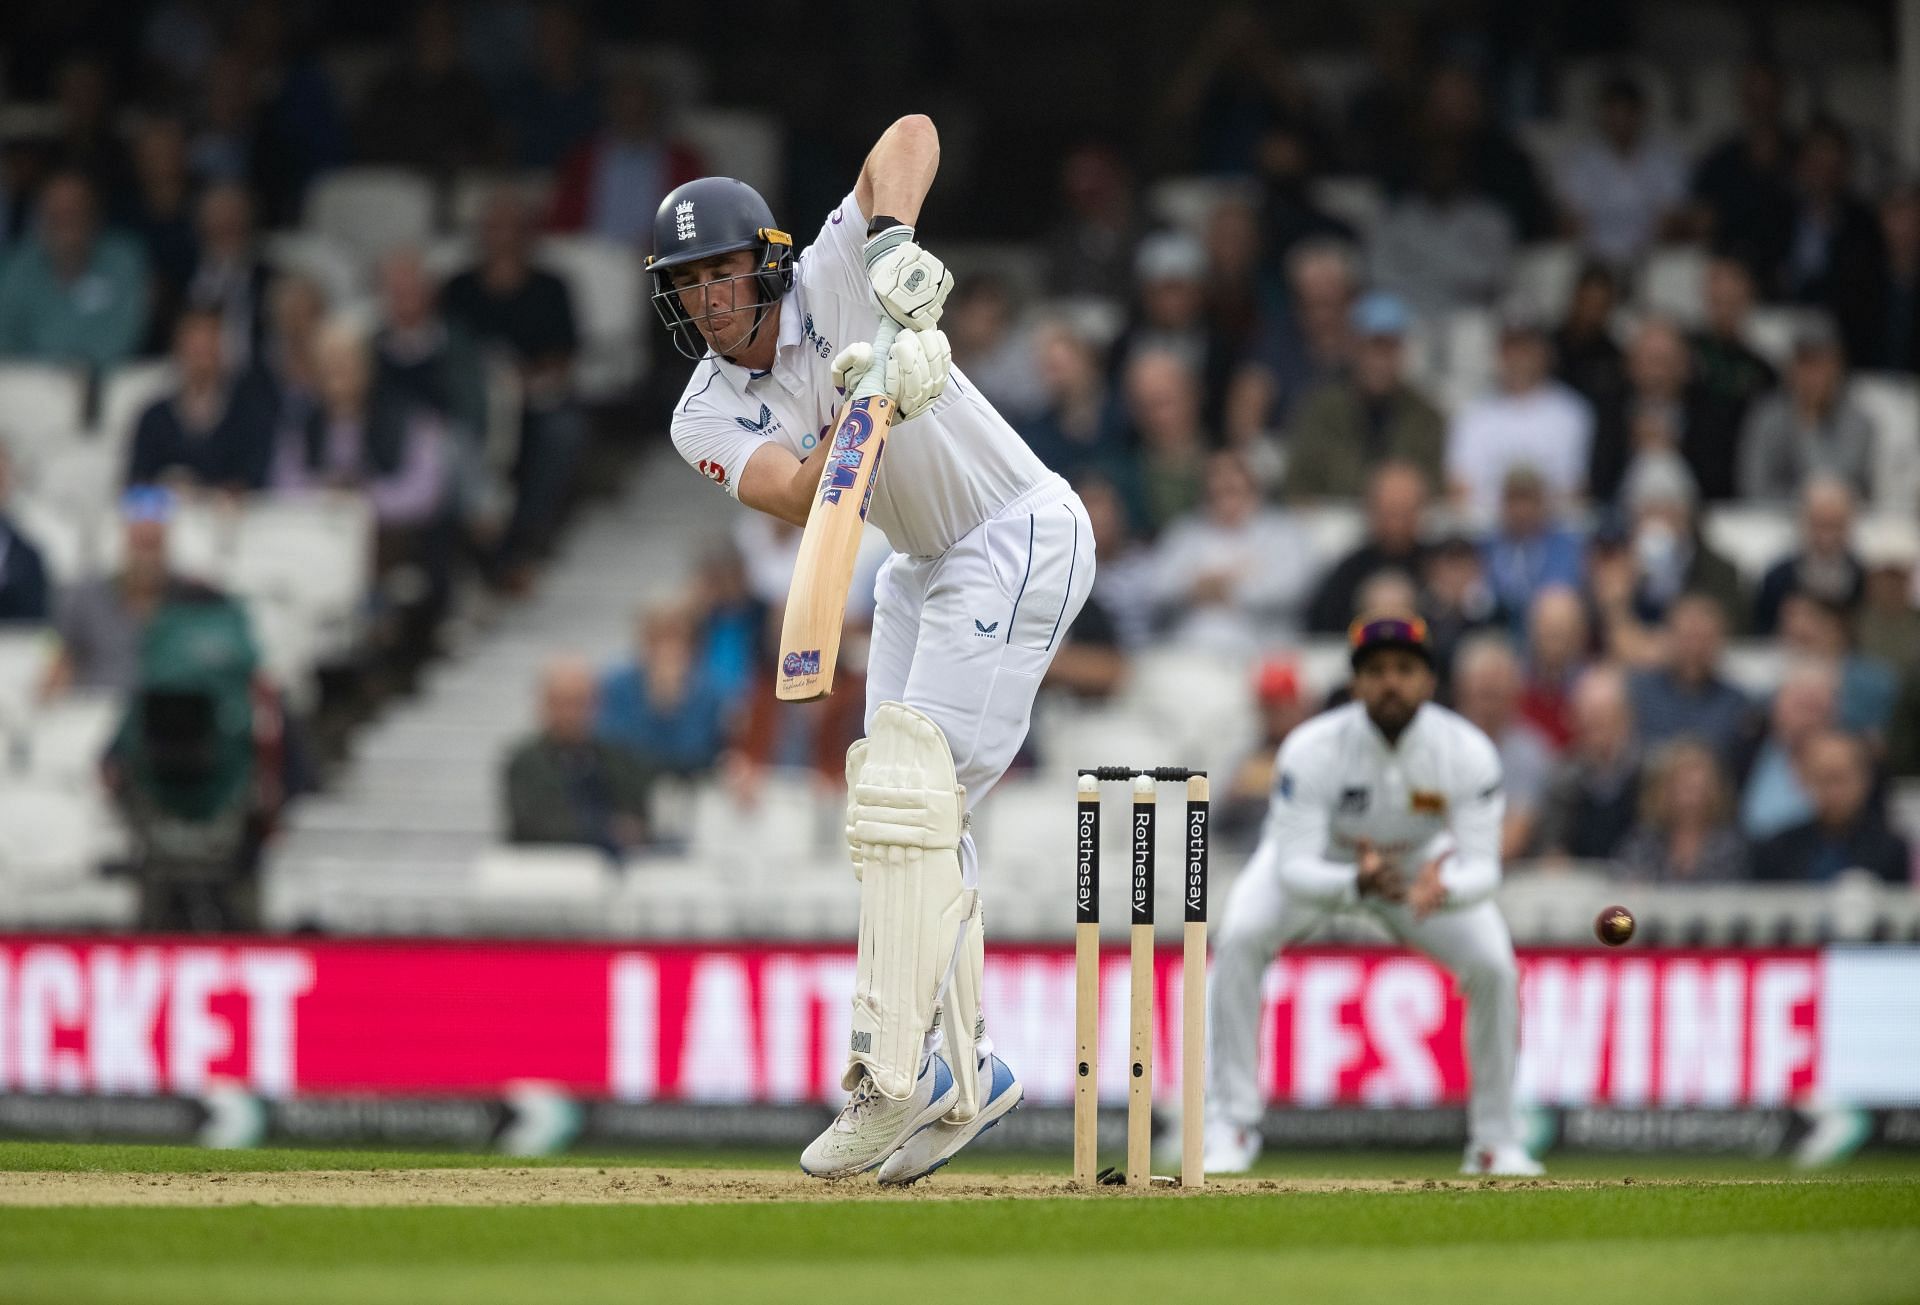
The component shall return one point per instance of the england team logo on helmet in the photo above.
(683, 220)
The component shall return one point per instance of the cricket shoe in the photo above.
(871, 1126)
(1508, 1161)
(936, 1144)
(1230, 1149)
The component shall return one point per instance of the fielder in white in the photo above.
(993, 558)
(1393, 805)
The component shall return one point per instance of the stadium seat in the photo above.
(1771, 330)
(24, 656)
(370, 210)
(1892, 402)
(1752, 537)
(604, 277)
(63, 537)
(46, 832)
(472, 187)
(740, 143)
(1186, 202)
(67, 737)
(317, 551)
(333, 265)
(1357, 201)
(125, 395)
(80, 478)
(1672, 283)
(1544, 275)
(40, 405)
(1756, 666)
(543, 873)
(1335, 529)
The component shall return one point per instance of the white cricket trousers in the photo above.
(967, 636)
(1261, 917)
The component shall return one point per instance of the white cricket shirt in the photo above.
(1436, 791)
(952, 467)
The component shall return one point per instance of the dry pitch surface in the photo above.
(620, 1185)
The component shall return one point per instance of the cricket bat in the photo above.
(817, 599)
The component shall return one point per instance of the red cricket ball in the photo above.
(1613, 926)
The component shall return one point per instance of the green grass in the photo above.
(1852, 1235)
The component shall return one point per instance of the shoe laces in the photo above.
(857, 1105)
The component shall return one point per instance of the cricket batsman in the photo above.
(1392, 804)
(992, 559)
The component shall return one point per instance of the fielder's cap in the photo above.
(1381, 313)
(147, 503)
(1374, 630)
(1170, 256)
(1277, 679)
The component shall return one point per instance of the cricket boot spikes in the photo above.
(872, 1126)
(938, 1143)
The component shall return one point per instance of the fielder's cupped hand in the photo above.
(911, 284)
(917, 368)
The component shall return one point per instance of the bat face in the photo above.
(823, 572)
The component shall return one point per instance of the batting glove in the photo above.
(917, 370)
(911, 284)
(850, 364)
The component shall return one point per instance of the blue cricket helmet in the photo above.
(715, 215)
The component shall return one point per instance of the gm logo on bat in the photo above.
(843, 460)
(806, 662)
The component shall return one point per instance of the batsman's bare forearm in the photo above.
(779, 484)
(900, 169)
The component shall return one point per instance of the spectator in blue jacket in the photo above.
(662, 707)
(1527, 551)
(216, 431)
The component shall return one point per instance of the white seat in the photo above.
(1756, 666)
(1324, 666)
(1771, 330)
(1544, 275)
(1673, 283)
(24, 656)
(1187, 202)
(1752, 538)
(1357, 201)
(371, 210)
(1892, 402)
(128, 391)
(46, 832)
(740, 143)
(474, 186)
(80, 478)
(333, 265)
(40, 404)
(547, 874)
(67, 737)
(1335, 529)
(200, 541)
(315, 551)
(63, 537)
(604, 278)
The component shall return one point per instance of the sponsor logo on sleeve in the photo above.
(1426, 802)
(1353, 801)
(713, 471)
(767, 424)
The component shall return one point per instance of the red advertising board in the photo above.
(768, 1024)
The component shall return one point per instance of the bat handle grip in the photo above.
(874, 382)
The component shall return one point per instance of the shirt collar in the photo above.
(740, 377)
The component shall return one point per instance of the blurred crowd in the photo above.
(1214, 387)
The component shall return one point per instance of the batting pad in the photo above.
(906, 809)
(856, 758)
(961, 1019)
